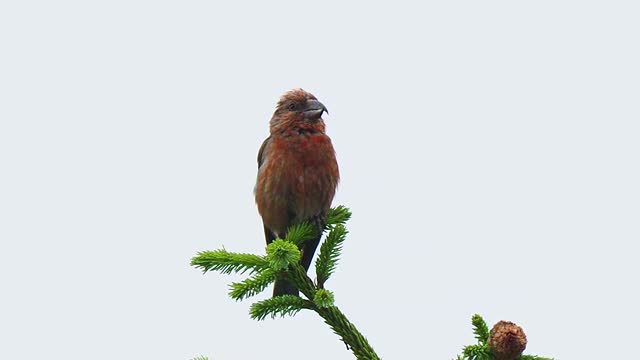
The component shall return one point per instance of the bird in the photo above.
(297, 174)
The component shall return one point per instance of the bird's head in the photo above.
(298, 109)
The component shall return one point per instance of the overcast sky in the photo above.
(488, 151)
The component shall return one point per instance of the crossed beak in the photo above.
(314, 110)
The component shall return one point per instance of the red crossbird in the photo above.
(297, 173)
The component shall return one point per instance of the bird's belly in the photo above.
(295, 186)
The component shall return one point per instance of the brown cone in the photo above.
(507, 340)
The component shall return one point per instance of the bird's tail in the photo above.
(283, 287)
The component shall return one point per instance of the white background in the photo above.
(488, 150)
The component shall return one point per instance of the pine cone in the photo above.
(507, 340)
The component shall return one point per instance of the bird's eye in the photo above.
(292, 106)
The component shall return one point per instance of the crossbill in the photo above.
(297, 174)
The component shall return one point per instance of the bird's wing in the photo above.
(268, 234)
(261, 151)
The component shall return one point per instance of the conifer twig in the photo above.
(282, 260)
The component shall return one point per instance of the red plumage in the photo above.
(297, 173)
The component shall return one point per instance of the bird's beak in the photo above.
(314, 109)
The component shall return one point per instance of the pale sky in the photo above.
(488, 151)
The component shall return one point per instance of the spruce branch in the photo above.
(477, 352)
(299, 278)
(228, 262)
(323, 298)
(480, 329)
(300, 233)
(283, 261)
(348, 333)
(281, 254)
(253, 285)
(337, 215)
(332, 316)
(279, 305)
(329, 254)
(505, 341)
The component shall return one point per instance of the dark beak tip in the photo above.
(315, 109)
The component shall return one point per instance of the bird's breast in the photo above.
(298, 178)
(306, 149)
